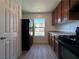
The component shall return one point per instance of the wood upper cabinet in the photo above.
(59, 20)
(74, 10)
(53, 17)
(68, 11)
(56, 15)
(65, 10)
(73, 3)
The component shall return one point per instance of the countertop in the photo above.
(57, 33)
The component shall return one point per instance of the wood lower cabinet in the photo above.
(53, 42)
(56, 47)
(49, 39)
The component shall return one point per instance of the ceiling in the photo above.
(39, 5)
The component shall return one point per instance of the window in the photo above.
(39, 26)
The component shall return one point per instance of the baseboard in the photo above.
(23, 52)
(37, 42)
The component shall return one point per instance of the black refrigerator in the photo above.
(26, 41)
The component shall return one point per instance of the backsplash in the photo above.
(69, 27)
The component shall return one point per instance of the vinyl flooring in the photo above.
(39, 51)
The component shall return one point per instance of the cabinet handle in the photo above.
(2, 38)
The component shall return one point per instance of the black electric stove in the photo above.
(71, 39)
(71, 43)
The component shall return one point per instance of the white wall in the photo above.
(49, 27)
(69, 27)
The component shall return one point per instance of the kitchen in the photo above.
(59, 29)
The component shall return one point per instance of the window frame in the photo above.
(39, 27)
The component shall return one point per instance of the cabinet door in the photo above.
(56, 15)
(59, 13)
(56, 48)
(48, 38)
(73, 3)
(67, 54)
(65, 10)
(53, 42)
(53, 17)
(2, 20)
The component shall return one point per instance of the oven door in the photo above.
(67, 54)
